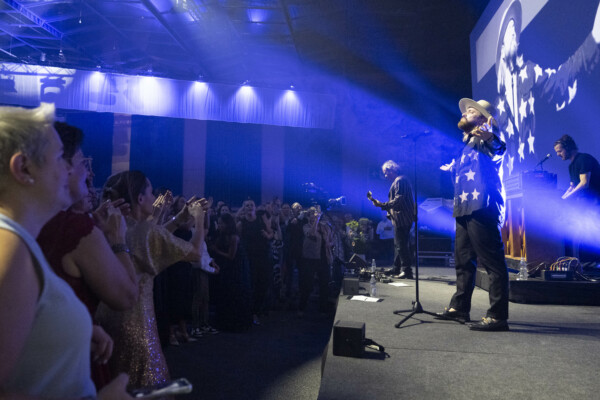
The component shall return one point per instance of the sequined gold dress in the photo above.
(137, 349)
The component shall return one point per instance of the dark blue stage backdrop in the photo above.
(554, 87)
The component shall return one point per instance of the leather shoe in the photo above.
(490, 325)
(458, 316)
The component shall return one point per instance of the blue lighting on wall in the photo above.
(258, 15)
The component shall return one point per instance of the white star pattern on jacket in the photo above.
(474, 177)
(470, 175)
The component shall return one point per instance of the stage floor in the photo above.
(550, 352)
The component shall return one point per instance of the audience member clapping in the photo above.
(153, 248)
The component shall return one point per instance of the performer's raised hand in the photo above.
(375, 202)
(448, 167)
(484, 131)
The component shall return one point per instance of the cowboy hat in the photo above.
(483, 106)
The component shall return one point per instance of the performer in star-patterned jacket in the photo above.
(479, 213)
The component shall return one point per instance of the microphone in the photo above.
(543, 160)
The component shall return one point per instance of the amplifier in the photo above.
(350, 286)
(349, 339)
(530, 180)
(557, 275)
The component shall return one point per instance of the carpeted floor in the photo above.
(278, 359)
(550, 351)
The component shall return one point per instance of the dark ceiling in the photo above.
(272, 43)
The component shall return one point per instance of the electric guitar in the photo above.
(377, 203)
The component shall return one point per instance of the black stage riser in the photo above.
(538, 291)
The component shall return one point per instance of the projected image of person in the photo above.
(520, 83)
(479, 213)
(401, 211)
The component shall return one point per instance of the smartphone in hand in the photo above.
(178, 386)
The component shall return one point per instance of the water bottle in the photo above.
(373, 266)
(373, 286)
(523, 273)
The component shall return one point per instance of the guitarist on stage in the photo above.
(400, 208)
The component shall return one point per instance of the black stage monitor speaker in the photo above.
(358, 262)
(348, 339)
(350, 286)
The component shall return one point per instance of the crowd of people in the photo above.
(92, 280)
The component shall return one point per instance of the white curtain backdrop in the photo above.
(28, 85)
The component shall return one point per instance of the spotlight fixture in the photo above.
(246, 82)
(43, 57)
(61, 56)
(292, 87)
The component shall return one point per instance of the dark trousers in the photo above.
(402, 256)
(307, 270)
(289, 264)
(478, 240)
(261, 273)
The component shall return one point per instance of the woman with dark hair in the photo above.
(234, 312)
(46, 332)
(89, 257)
(153, 248)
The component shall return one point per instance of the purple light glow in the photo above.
(258, 15)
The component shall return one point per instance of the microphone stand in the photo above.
(417, 308)
(541, 163)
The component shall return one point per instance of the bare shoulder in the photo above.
(12, 252)
(16, 264)
(93, 241)
(90, 250)
(19, 292)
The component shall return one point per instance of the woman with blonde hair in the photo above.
(45, 331)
